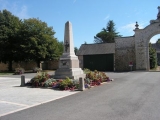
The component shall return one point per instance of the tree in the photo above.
(75, 50)
(9, 38)
(39, 43)
(60, 47)
(107, 34)
(158, 41)
(27, 40)
(153, 57)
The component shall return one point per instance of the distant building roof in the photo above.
(101, 48)
(156, 46)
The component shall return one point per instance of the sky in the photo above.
(88, 17)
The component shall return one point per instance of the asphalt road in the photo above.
(131, 96)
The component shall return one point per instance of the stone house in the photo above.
(97, 56)
(108, 56)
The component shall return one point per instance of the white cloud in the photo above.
(106, 17)
(23, 12)
(128, 28)
(74, 1)
(15, 9)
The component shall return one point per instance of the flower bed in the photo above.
(94, 78)
(43, 79)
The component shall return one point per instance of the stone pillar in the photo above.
(69, 63)
(22, 81)
(68, 39)
(41, 62)
(81, 84)
(140, 48)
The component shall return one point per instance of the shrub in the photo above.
(95, 78)
(49, 83)
(86, 70)
(65, 83)
(43, 80)
(40, 79)
(19, 70)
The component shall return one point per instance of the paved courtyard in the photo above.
(15, 98)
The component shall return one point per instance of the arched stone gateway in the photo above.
(135, 49)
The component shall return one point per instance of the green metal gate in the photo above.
(102, 62)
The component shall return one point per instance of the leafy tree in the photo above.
(158, 41)
(153, 57)
(60, 47)
(75, 50)
(158, 55)
(39, 42)
(9, 38)
(26, 40)
(107, 34)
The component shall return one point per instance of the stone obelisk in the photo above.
(69, 63)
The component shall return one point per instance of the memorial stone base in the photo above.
(69, 68)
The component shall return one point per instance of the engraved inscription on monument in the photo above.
(66, 46)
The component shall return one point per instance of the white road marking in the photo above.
(14, 103)
(34, 105)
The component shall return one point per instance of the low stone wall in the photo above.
(124, 53)
(53, 65)
(25, 65)
(49, 65)
(3, 67)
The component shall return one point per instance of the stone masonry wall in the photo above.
(142, 38)
(51, 65)
(25, 65)
(3, 66)
(124, 53)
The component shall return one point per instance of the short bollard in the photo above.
(81, 84)
(22, 80)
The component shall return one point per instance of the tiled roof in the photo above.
(156, 46)
(91, 49)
